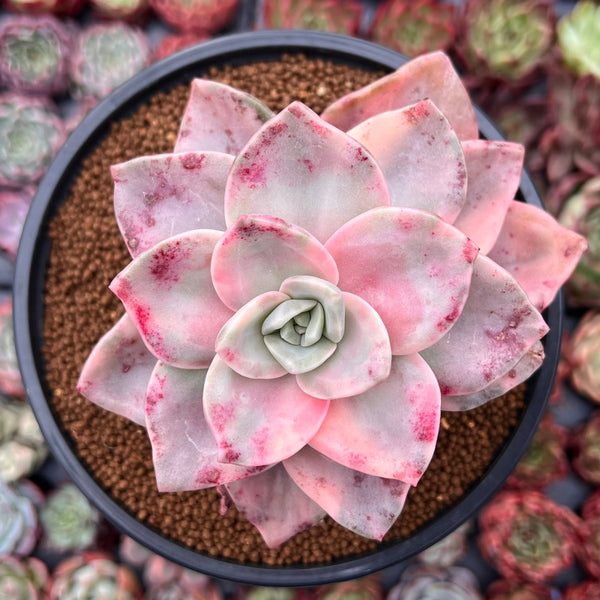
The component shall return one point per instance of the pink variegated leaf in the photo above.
(258, 252)
(184, 451)
(537, 251)
(420, 156)
(258, 421)
(527, 365)
(389, 431)
(168, 293)
(303, 170)
(116, 372)
(364, 504)
(361, 360)
(429, 76)
(159, 196)
(275, 505)
(423, 272)
(497, 327)
(219, 118)
(494, 172)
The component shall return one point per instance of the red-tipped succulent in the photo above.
(585, 448)
(582, 354)
(200, 16)
(590, 547)
(353, 284)
(505, 589)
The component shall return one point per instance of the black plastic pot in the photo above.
(30, 279)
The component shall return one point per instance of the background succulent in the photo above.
(582, 355)
(19, 528)
(585, 448)
(11, 383)
(200, 16)
(23, 579)
(430, 583)
(14, 206)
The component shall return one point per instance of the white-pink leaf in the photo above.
(494, 172)
(159, 196)
(364, 504)
(428, 76)
(219, 118)
(389, 431)
(421, 158)
(168, 293)
(411, 267)
(301, 169)
(258, 421)
(537, 251)
(258, 252)
(497, 327)
(116, 372)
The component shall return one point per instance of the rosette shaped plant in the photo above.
(307, 293)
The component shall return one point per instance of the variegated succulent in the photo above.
(307, 293)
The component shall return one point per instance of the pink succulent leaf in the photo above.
(158, 196)
(362, 503)
(494, 172)
(168, 293)
(529, 363)
(258, 421)
(428, 76)
(539, 253)
(116, 372)
(390, 430)
(498, 325)
(240, 343)
(303, 170)
(184, 451)
(420, 156)
(219, 118)
(275, 505)
(361, 360)
(259, 251)
(411, 267)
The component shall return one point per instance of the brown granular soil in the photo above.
(87, 252)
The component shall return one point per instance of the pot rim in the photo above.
(28, 288)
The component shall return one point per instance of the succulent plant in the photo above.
(504, 589)
(585, 448)
(31, 132)
(22, 579)
(69, 522)
(586, 590)
(14, 206)
(93, 575)
(22, 445)
(173, 43)
(275, 593)
(105, 55)
(133, 553)
(583, 356)
(528, 537)
(414, 28)
(449, 550)
(589, 555)
(336, 16)
(581, 212)
(19, 529)
(364, 588)
(62, 8)
(131, 11)
(11, 383)
(321, 384)
(431, 583)
(578, 33)
(544, 461)
(34, 54)
(201, 16)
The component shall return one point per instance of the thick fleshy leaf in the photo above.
(429, 76)
(241, 344)
(168, 293)
(538, 251)
(275, 505)
(497, 327)
(258, 252)
(116, 373)
(389, 431)
(219, 118)
(494, 172)
(258, 421)
(411, 267)
(364, 504)
(184, 451)
(421, 158)
(303, 170)
(362, 358)
(159, 196)
(527, 365)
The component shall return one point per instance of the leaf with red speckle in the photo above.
(390, 430)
